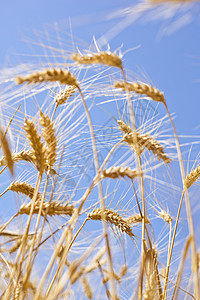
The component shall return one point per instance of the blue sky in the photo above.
(170, 60)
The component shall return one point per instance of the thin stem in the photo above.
(188, 209)
(172, 246)
(62, 260)
(141, 184)
(96, 161)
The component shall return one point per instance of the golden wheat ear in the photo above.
(191, 178)
(104, 58)
(117, 172)
(64, 95)
(49, 75)
(111, 217)
(36, 144)
(49, 138)
(144, 141)
(143, 89)
(7, 152)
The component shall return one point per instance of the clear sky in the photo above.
(170, 58)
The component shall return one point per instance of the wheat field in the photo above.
(92, 168)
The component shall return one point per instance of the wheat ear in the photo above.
(144, 141)
(49, 75)
(23, 188)
(87, 288)
(36, 144)
(49, 208)
(143, 89)
(191, 178)
(49, 137)
(111, 217)
(136, 219)
(64, 95)
(7, 152)
(116, 172)
(105, 58)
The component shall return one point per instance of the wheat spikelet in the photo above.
(49, 208)
(144, 141)
(116, 172)
(136, 219)
(23, 188)
(143, 89)
(64, 95)
(87, 288)
(111, 217)
(50, 139)
(36, 144)
(105, 58)
(63, 76)
(165, 216)
(24, 155)
(191, 178)
(7, 152)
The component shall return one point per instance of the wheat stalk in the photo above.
(143, 89)
(111, 217)
(49, 75)
(105, 58)
(49, 137)
(144, 141)
(36, 144)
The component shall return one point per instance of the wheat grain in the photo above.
(7, 152)
(105, 58)
(111, 217)
(36, 144)
(144, 141)
(64, 95)
(49, 75)
(116, 172)
(143, 89)
(49, 208)
(191, 178)
(49, 137)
